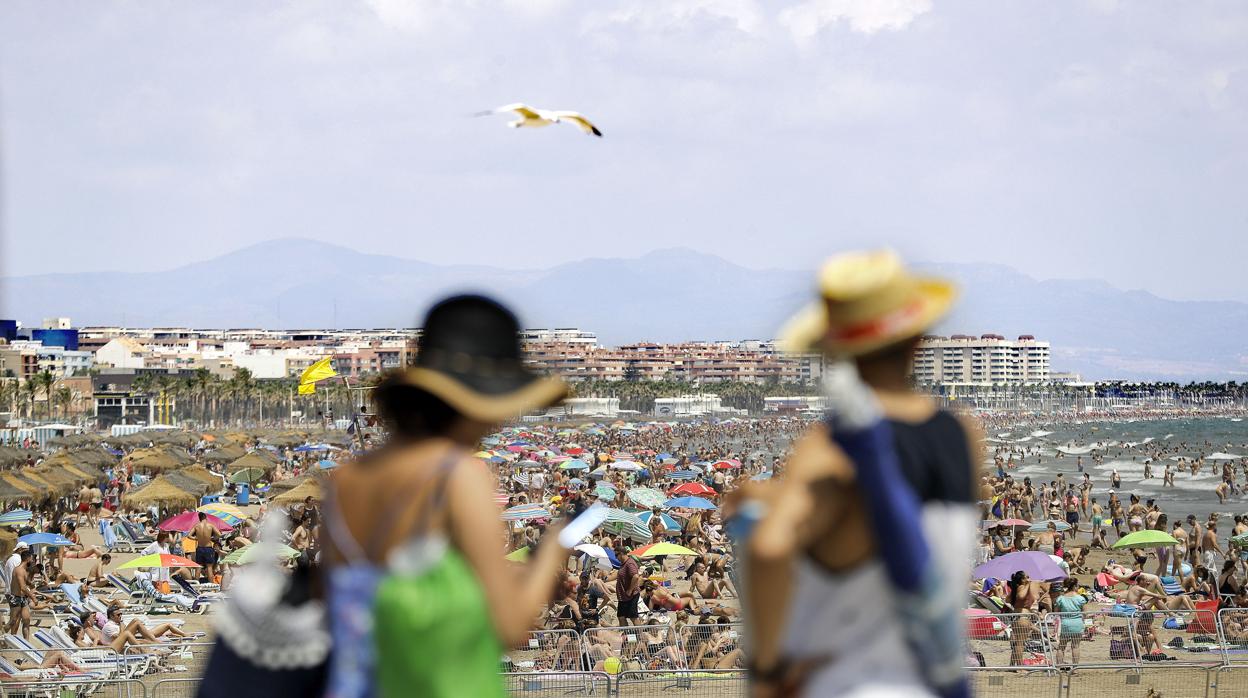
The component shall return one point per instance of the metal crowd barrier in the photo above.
(687, 684)
(549, 685)
(544, 651)
(635, 648)
(71, 688)
(175, 688)
(179, 660)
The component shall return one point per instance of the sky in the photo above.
(1075, 139)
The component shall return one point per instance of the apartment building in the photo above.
(986, 360)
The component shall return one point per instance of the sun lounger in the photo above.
(44, 682)
(108, 666)
(127, 665)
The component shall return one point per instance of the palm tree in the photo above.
(44, 380)
(64, 396)
(29, 391)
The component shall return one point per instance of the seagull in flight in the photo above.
(534, 118)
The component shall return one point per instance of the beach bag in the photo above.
(1174, 624)
(1120, 649)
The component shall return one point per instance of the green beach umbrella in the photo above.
(247, 475)
(647, 497)
(623, 523)
(605, 492)
(518, 555)
(1146, 539)
(251, 553)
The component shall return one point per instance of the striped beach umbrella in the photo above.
(647, 497)
(159, 560)
(668, 522)
(17, 516)
(682, 475)
(604, 492)
(252, 553)
(623, 523)
(525, 512)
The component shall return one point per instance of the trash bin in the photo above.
(244, 495)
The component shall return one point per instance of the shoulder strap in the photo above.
(392, 513)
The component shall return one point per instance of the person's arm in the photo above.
(514, 594)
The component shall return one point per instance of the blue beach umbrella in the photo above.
(681, 475)
(17, 516)
(328, 464)
(689, 503)
(55, 540)
(668, 522)
(574, 464)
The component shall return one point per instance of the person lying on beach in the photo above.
(658, 598)
(1121, 574)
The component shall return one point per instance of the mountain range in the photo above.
(667, 295)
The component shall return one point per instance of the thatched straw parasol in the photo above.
(57, 476)
(309, 488)
(14, 456)
(225, 454)
(161, 492)
(289, 483)
(10, 493)
(156, 459)
(56, 489)
(8, 541)
(251, 460)
(204, 475)
(33, 491)
(183, 481)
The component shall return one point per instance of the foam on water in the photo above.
(1038, 433)
(1222, 456)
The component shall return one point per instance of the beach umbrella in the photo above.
(522, 478)
(576, 481)
(1042, 526)
(17, 516)
(222, 510)
(1007, 523)
(682, 475)
(484, 455)
(54, 540)
(765, 475)
(696, 489)
(689, 503)
(599, 472)
(501, 498)
(307, 488)
(187, 520)
(604, 492)
(1036, 564)
(1240, 540)
(252, 553)
(247, 475)
(647, 497)
(224, 515)
(726, 464)
(573, 450)
(518, 555)
(524, 512)
(626, 465)
(574, 465)
(603, 555)
(327, 464)
(668, 522)
(1146, 539)
(657, 549)
(158, 560)
(623, 523)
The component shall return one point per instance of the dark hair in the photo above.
(410, 412)
(106, 557)
(1071, 583)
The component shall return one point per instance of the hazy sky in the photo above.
(1069, 139)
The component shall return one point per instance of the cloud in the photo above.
(807, 19)
(744, 15)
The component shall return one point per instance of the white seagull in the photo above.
(533, 118)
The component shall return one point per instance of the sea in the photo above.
(1041, 452)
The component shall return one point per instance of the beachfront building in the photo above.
(795, 404)
(984, 361)
(603, 407)
(689, 362)
(705, 405)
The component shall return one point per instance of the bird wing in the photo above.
(577, 119)
(522, 109)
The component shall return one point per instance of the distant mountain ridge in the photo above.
(666, 295)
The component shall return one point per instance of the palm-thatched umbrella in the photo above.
(186, 482)
(310, 488)
(161, 492)
(57, 477)
(14, 456)
(225, 454)
(251, 460)
(204, 475)
(8, 541)
(55, 489)
(289, 483)
(93, 457)
(10, 493)
(157, 460)
(33, 491)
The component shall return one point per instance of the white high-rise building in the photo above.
(987, 360)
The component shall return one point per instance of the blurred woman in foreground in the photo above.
(421, 600)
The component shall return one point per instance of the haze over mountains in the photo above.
(666, 295)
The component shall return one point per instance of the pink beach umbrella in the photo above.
(186, 521)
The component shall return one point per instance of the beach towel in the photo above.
(107, 532)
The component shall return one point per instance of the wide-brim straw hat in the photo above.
(868, 301)
(470, 357)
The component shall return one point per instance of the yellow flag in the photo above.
(318, 371)
(307, 388)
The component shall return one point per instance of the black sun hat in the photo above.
(469, 356)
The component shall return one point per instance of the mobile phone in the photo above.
(582, 526)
